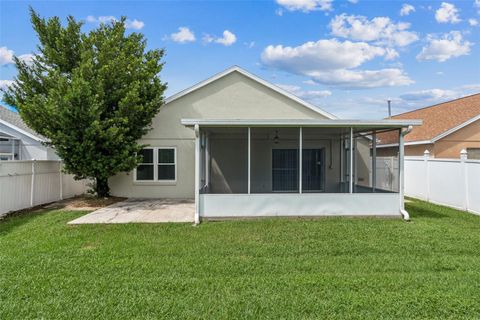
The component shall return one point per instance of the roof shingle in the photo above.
(439, 118)
(15, 119)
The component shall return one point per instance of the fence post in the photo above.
(32, 187)
(463, 163)
(61, 178)
(426, 156)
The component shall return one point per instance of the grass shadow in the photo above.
(421, 209)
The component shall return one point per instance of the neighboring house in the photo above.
(243, 147)
(19, 142)
(447, 128)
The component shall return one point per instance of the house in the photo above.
(447, 128)
(19, 142)
(243, 147)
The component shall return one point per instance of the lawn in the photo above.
(274, 268)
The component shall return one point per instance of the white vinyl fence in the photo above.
(25, 184)
(449, 182)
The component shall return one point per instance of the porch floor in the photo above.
(142, 211)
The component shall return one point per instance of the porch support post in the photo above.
(13, 149)
(300, 161)
(401, 156)
(249, 158)
(374, 160)
(207, 161)
(350, 178)
(197, 174)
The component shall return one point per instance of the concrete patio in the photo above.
(142, 211)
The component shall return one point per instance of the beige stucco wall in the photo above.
(451, 145)
(413, 150)
(231, 97)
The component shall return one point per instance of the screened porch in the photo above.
(288, 168)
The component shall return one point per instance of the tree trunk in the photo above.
(102, 188)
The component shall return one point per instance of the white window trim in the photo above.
(155, 180)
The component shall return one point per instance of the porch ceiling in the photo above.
(329, 123)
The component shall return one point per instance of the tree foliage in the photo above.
(93, 95)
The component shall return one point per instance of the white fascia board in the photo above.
(254, 78)
(411, 143)
(332, 123)
(454, 129)
(28, 134)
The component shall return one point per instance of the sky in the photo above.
(347, 57)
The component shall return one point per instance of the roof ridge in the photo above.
(437, 104)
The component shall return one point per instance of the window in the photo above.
(166, 164)
(158, 164)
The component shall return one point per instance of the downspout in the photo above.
(401, 159)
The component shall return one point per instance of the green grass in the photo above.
(272, 268)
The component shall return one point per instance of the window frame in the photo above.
(155, 168)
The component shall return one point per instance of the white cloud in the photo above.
(27, 58)
(473, 22)
(391, 54)
(310, 82)
(330, 62)
(129, 24)
(447, 13)
(407, 9)
(356, 79)
(353, 1)
(227, 40)
(134, 24)
(471, 87)
(4, 84)
(250, 44)
(449, 45)
(306, 5)
(430, 95)
(305, 94)
(6, 56)
(321, 55)
(379, 29)
(183, 35)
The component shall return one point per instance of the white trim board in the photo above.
(331, 123)
(256, 79)
(28, 134)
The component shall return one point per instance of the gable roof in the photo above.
(13, 120)
(256, 79)
(440, 120)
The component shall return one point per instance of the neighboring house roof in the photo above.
(13, 120)
(256, 79)
(439, 120)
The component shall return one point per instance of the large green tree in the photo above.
(93, 95)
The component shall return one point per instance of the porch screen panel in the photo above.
(321, 160)
(274, 160)
(387, 171)
(362, 167)
(228, 160)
